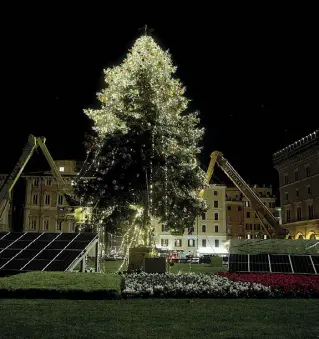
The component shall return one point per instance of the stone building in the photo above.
(46, 209)
(242, 221)
(298, 169)
(208, 235)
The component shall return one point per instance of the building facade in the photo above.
(298, 170)
(46, 209)
(208, 236)
(242, 221)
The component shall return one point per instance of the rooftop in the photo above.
(299, 145)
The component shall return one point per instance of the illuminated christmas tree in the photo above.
(143, 154)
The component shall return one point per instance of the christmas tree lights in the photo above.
(144, 149)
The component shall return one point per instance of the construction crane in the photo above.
(80, 213)
(263, 213)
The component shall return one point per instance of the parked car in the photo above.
(205, 259)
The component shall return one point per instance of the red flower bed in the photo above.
(287, 285)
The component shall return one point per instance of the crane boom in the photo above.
(28, 150)
(11, 180)
(256, 203)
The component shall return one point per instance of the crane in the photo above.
(80, 213)
(261, 210)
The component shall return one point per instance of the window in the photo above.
(310, 211)
(307, 171)
(309, 189)
(288, 215)
(248, 214)
(286, 196)
(204, 228)
(33, 223)
(215, 216)
(47, 199)
(204, 216)
(203, 242)
(61, 169)
(59, 226)
(60, 199)
(46, 223)
(296, 175)
(239, 208)
(178, 242)
(297, 192)
(250, 227)
(258, 227)
(229, 208)
(298, 213)
(35, 199)
(164, 242)
(191, 243)
(48, 181)
(216, 243)
(215, 203)
(216, 228)
(36, 182)
(286, 179)
(215, 193)
(254, 227)
(246, 203)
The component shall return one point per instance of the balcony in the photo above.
(291, 220)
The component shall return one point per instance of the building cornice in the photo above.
(297, 150)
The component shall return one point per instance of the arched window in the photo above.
(300, 236)
(312, 237)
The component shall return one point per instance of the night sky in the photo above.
(253, 80)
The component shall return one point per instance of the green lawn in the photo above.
(55, 283)
(113, 266)
(159, 319)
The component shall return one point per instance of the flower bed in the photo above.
(283, 285)
(191, 285)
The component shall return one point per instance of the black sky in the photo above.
(253, 77)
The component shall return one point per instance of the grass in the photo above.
(159, 318)
(113, 266)
(63, 283)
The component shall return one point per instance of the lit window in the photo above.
(35, 199)
(46, 224)
(33, 223)
(191, 243)
(60, 199)
(203, 242)
(164, 242)
(246, 203)
(61, 169)
(178, 242)
(47, 199)
(216, 243)
(59, 226)
(203, 228)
